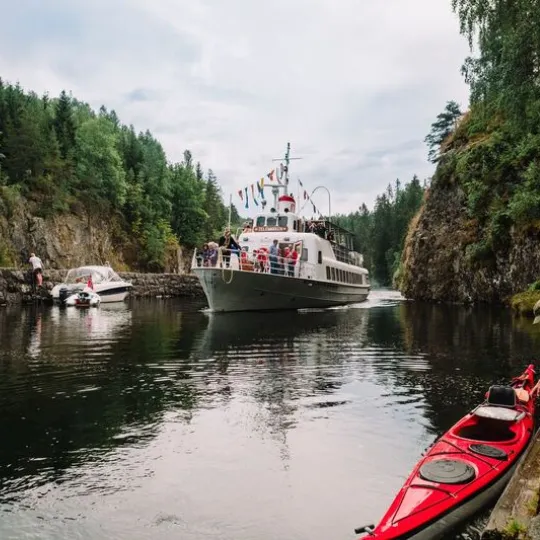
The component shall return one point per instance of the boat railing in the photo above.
(261, 262)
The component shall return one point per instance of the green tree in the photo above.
(99, 166)
(64, 124)
(441, 129)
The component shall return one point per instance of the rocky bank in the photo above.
(437, 264)
(15, 285)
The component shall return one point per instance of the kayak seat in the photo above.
(496, 412)
(501, 396)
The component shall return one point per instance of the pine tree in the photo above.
(64, 124)
(441, 129)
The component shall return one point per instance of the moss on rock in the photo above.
(523, 302)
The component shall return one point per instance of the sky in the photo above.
(353, 85)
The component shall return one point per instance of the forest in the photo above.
(58, 156)
(380, 233)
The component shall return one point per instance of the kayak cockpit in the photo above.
(496, 419)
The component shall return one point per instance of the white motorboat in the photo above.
(102, 280)
(85, 298)
(316, 265)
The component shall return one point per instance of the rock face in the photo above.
(437, 263)
(70, 240)
(16, 285)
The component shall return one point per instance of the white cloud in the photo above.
(353, 85)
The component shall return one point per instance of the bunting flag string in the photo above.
(259, 194)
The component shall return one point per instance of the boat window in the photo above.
(271, 222)
(260, 221)
(327, 272)
(305, 254)
(319, 257)
(333, 274)
(283, 221)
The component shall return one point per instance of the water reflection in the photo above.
(291, 424)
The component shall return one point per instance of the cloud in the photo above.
(354, 86)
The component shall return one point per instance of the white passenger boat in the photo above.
(316, 266)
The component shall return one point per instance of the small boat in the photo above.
(465, 469)
(101, 279)
(83, 299)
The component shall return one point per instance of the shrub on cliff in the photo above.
(493, 154)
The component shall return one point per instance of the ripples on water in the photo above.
(158, 420)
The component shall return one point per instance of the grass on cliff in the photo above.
(523, 303)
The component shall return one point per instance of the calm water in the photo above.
(154, 420)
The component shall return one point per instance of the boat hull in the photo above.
(234, 290)
(107, 295)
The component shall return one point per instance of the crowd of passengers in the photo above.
(273, 259)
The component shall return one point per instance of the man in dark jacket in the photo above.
(227, 244)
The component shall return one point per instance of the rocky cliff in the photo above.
(73, 239)
(441, 260)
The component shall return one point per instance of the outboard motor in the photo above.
(63, 293)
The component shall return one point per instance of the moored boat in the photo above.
(103, 280)
(466, 468)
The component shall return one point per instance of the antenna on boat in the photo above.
(275, 189)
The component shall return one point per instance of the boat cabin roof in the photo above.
(99, 274)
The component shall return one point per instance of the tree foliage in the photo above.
(441, 129)
(380, 234)
(62, 156)
(495, 157)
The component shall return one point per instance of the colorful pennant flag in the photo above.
(247, 202)
(241, 195)
(253, 194)
(260, 188)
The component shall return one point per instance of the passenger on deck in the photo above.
(274, 257)
(293, 259)
(286, 261)
(204, 256)
(227, 245)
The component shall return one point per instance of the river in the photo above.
(156, 420)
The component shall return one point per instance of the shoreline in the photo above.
(16, 285)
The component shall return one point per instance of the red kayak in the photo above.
(465, 469)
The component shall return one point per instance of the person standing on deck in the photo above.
(227, 243)
(37, 269)
(274, 255)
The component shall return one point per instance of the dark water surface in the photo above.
(154, 420)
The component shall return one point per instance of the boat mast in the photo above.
(275, 189)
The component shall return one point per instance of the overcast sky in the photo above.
(353, 84)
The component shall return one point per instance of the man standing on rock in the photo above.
(37, 269)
